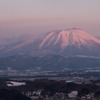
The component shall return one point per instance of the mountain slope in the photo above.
(23, 45)
(70, 42)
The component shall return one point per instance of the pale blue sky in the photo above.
(40, 16)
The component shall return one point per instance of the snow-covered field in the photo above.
(13, 83)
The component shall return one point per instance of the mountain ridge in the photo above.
(68, 42)
(76, 35)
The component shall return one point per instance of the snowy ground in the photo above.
(13, 83)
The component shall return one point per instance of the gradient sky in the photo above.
(40, 16)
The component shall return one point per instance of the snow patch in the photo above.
(73, 94)
(13, 83)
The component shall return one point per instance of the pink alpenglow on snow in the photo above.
(68, 37)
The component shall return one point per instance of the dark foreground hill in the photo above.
(50, 88)
(7, 94)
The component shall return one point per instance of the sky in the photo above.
(37, 17)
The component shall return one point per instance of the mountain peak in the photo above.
(68, 42)
(68, 29)
(68, 37)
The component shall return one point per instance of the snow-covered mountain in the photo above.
(22, 45)
(69, 37)
(68, 42)
(71, 41)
